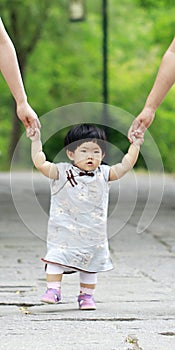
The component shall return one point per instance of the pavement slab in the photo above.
(136, 299)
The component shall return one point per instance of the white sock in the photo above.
(88, 291)
(54, 285)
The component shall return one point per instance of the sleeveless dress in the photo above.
(77, 227)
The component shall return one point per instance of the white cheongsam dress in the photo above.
(77, 227)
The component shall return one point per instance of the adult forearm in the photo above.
(164, 80)
(9, 66)
(11, 73)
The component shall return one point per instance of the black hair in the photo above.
(84, 133)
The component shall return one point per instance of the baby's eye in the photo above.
(97, 152)
(83, 150)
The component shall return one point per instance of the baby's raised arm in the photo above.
(38, 157)
(120, 169)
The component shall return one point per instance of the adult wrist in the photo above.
(21, 101)
(149, 109)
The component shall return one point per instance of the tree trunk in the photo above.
(16, 123)
(18, 34)
(15, 134)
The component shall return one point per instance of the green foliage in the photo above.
(158, 4)
(64, 65)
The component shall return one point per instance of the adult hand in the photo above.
(141, 123)
(27, 115)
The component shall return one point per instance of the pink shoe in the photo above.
(51, 296)
(86, 302)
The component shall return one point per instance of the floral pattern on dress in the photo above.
(77, 227)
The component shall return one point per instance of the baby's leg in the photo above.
(88, 281)
(54, 273)
(87, 288)
(54, 277)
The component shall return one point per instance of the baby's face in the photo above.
(88, 156)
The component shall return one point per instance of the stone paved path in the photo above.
(137, 298)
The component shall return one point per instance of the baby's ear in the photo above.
(70, 154)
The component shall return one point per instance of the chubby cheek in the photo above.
(81, 158)
(78, 160)
(98, 158)
(98, 162)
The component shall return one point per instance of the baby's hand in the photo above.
(33, 134)
(137, 137)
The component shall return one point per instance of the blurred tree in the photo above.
(24, 20)
(64, 65)
(150, 4)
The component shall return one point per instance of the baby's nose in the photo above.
(90, 155)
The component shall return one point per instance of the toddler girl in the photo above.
(77, 227)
